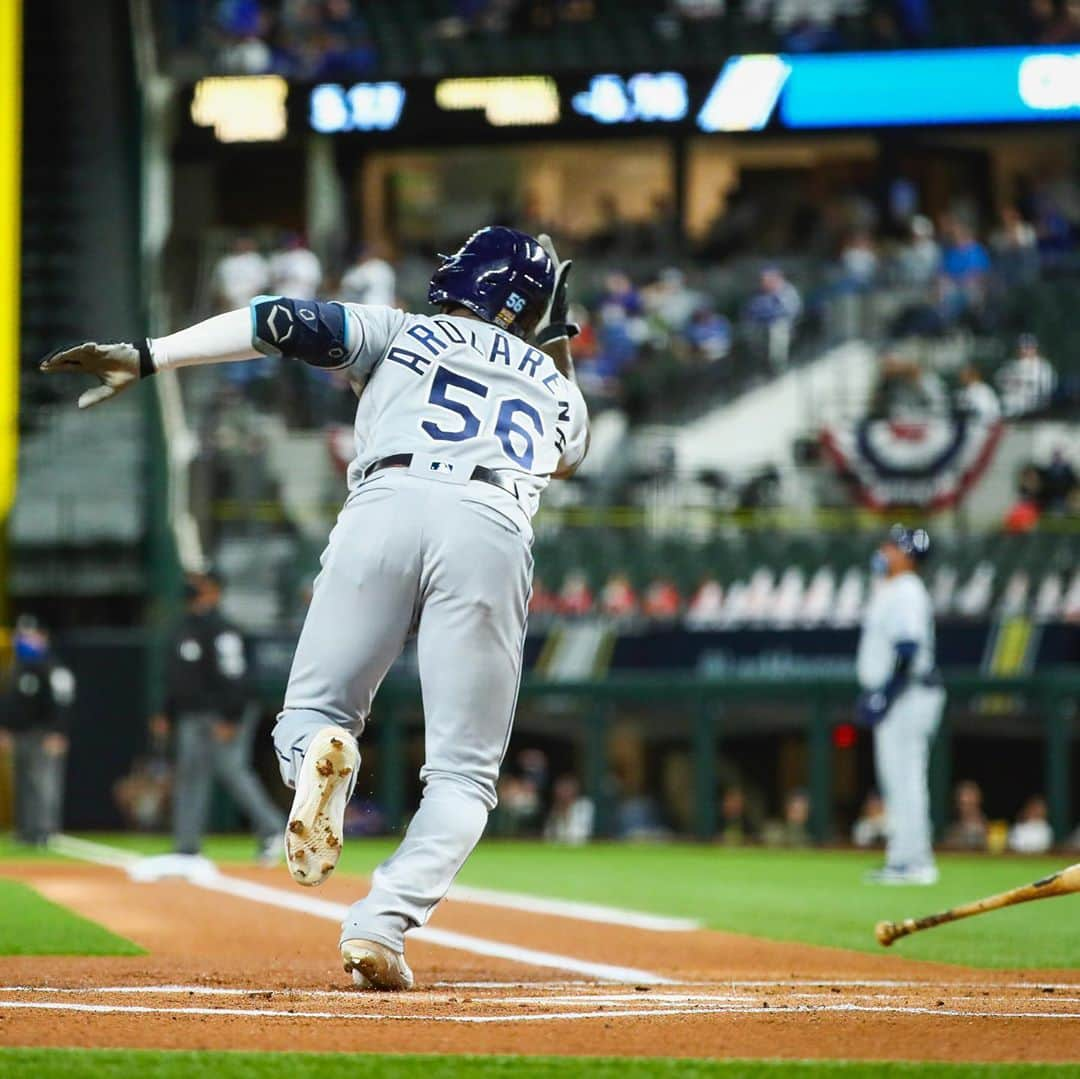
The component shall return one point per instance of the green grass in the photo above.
(150, 1064)
(32, 925)
(813, 896)
(10, 850)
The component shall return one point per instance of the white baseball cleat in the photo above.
(903, 874)
(374, 966)
(314, 833)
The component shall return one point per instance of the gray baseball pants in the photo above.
(902, 743)
(39, 787)
(199, 758)
(434, 556)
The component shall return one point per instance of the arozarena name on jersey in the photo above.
(427, 338)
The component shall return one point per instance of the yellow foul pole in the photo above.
(10, 208)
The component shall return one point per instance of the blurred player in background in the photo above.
(902, 700)
(370, 279)
(36, 710)
(206, 707)
(239, 275)
(295, 270)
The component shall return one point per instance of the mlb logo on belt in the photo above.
(441, 466)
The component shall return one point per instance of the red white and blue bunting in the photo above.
(931, 463)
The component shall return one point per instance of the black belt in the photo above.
(480, 473)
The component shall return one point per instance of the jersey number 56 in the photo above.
(508, 429)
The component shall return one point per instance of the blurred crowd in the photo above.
(1051, 488)
(461, 18)
(970, 828)
(1023, 385)
(672, 323)
(679, 319)
(316, 40)
(785, 597)
(334, 39)
(535, 802)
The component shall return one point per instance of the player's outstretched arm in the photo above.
(117, 367)
(321, 334)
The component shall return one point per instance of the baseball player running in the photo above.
(461, 424)
(902, 700)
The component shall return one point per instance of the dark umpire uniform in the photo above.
(206, 699)
(37, 710)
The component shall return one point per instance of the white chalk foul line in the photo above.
(216, 881)
(558, 995)
(566, 908)
(177, 990)
(491, 897)
(545, 1017)
(87, 851)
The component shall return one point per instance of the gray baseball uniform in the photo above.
(901, 610)
(424, 549)
(435, 541)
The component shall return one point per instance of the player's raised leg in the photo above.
(361, 609)
(477, 582)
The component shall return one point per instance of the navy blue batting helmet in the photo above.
(500, 274)
(914, 542)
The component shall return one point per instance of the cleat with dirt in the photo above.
(374, 966)
(313, 837)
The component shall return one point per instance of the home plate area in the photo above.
(234, 961)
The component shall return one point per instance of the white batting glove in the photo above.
(116, 367)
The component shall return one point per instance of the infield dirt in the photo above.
(224, 972)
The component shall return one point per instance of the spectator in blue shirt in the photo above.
(771, 314)
(709, 335)
(965, 264)
(776, 299)
(963, 259)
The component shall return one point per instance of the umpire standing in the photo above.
(206, 705)
(37, 710)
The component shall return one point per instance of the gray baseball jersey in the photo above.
(900, 609)
(426, 550)
(463, 392)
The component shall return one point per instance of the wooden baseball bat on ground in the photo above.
(1064, 882)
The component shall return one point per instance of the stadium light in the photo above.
(244, 108)
(517, 101)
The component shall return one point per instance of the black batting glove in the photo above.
(555, 324)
